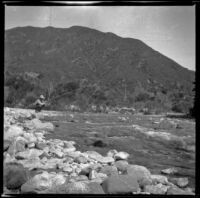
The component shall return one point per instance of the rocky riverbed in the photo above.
(36, 161)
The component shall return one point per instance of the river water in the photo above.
(149, 146)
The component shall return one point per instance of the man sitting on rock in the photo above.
(39, 103)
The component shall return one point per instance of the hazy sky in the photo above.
(167, 29)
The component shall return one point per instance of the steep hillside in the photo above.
(77, 53)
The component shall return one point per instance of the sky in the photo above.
(167, 29)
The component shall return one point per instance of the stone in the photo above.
(80, 159)
(43, 183)
(142, 174)
(13, 132)
(121, 165)
(173, 190)
(67, 169)
(69, 150)
(112, 153)
(169, 171)
(58, 153)
(120, 184)
(77, 188)
(159, 189)
(29, 153)
(180, 182)
(38, 125)
(30, 137)
(109, 170)
(81, 178)
(6, 144)
(159, 179)
(99, 158)
(121, 156)
(31, 145)
(14, 175)
(95, 188)
(20, 144)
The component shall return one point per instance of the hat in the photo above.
(42, 97)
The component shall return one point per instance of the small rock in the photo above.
(169, 171)
(180, 182)
(31, 145)
(68, 169)
(159, 189)
(6, 144)
(121, 156)
(81, 159)
(109, 170)
(159, 179)
(81, 178)
(112, 153)
(120, 184)
(30, 137)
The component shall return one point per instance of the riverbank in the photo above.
(36, 161)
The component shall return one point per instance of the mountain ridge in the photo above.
(79, 52)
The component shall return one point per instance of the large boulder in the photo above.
(141, 173)
(120, 184)
(15, 175)
(20, 144)
(13, 132)
(42, 183)
(38, 125)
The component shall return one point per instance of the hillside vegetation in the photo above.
(84, 66)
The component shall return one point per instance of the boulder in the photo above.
(31, 145)
(95, 188)
(80, 159)
(159, 179)
(6, 144)
(173, 190)
(43, 183)
(180, 182)
(30, 137)
(14, 175)
(111, 153)
(77, 188)
(121, 156)
(29, 153)
(13, 132)
(141, 173)
(38, 125)
(120, 184)
(98, 157)
(121, 165)
(40, 145)
(169, 171)
(20, 144)
(109, 170)
(158, 189)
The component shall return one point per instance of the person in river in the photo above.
(39, 104)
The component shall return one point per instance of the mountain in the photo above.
(77, 53)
